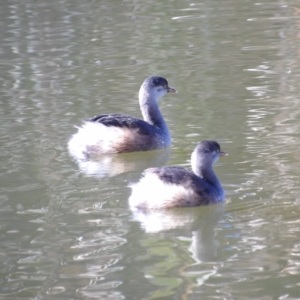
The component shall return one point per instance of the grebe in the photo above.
(173, 186)
(116, 133)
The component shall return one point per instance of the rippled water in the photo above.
(66, 229)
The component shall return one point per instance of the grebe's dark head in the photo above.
(206, 153)
(156, 87)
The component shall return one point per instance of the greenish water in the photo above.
(66, 229)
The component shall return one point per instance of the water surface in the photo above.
(67, 231)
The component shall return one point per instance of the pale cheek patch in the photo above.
(150, 192)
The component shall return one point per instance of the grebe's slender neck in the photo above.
(150, 110)
(208, 174)
(204, 169)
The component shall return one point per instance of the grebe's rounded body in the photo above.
(116, 133)
(173, 186)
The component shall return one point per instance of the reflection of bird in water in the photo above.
(116, 133)
(173, 186)
(200, 222)
(196, 224)
(108, 165)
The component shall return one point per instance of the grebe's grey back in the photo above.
(173, 186)
(115, 133)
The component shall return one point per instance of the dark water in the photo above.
(66, 229)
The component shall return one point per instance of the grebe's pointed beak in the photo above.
(171, 90)
(222, 153)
